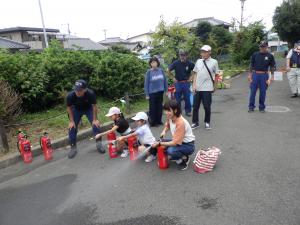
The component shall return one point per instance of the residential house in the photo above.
(275, 44)
(33, 37)
(211, 20)
(12, 45)
(117, 41)
(77, 43)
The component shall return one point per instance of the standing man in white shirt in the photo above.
(203, 85)
(293, 69)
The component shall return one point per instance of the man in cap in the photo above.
(82, 101)
(183, 68)
(261, 62)
(203, 85)
(293, 69)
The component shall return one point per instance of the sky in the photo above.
(89, 18)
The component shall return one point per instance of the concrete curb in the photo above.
(11, 159)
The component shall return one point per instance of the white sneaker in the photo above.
(124, 153)
(207, 126)
(150, 158)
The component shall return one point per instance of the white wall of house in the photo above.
(145, 38)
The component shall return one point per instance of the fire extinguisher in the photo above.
(46, 146)
(112, 148)
(162, 158)
(133, 147)
(171, 92)
(24, 147)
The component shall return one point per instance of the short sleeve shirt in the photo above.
(203, 80)
(81, 103)
(262, 61)
(182, 69)
(122, 124)
(289, 55)
(145, 135)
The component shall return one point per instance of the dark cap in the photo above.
(79, 85)
(263, 44)
(182, 52)
(297, 43)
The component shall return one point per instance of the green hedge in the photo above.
(43, 79)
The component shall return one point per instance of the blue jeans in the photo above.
(258, 82)
(77, 114)
(178, 151)
(183, 88)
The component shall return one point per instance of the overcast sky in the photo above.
(122, 18)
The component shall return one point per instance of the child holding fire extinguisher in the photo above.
(145, 136)
(121, 125)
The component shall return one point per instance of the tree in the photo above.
(203, 30)
(286, 21)
(246, 41)
(168, 39)
(223, 38)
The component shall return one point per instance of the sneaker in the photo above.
(207, 126)
(195, 125)
(250, 110)
(150, 158)
(187, 160)
(188, 114)
(72, 153)
(183, 165)
(262, 110)
(294, 96)
(124, 153)
(100, 147)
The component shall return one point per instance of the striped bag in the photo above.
(205, 160)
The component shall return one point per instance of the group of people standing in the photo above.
(199, 76)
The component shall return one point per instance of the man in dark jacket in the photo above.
(82, 101)
(261, 62)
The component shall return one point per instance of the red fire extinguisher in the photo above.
(133, 148)
(171, 92)
(162, 158)
(112, 148)
(24, 147)
(46, 146)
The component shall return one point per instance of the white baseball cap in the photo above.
(113, 111)
(206, 48)
(140, 116)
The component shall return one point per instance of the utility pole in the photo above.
(68, 25)
(104, 30)
(242, 12)
(44, 29)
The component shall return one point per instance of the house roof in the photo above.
(148, 33)
(83, 44)
(211, 20)
(112, 40)
(6, 43)
(16, 29)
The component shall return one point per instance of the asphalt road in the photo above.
(256, 180)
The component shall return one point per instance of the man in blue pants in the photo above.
(182, 79)
(261, 62)
(82, 101)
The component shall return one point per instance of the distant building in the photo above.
(12, 45)
(211, 20)
(144, 38)
(33, 37)
(275, 44)
(117, 41)
(77, 43)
